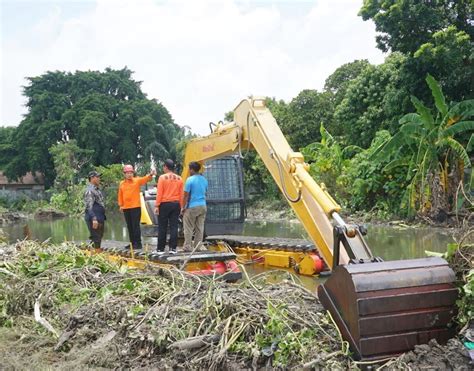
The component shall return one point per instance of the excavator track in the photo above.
(274, 243)
(298, 255)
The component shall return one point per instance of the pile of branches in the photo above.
(64, 308)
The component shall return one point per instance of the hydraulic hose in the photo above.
(282, 181)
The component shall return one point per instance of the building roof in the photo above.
(29, 179)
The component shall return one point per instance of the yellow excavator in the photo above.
(381, 308)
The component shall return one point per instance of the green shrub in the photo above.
(70, 200)
(372, 187)
(354, 179)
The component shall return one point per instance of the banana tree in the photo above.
(328, 160)
(426, 145)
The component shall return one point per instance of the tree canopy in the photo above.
(405, 25)
(372, 102)
(7, 147)
(104, 112)
(300, 119)
(338, 82)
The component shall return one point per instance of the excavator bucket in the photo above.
(386, 308)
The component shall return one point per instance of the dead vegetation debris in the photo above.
(97, 314)
(61, 308)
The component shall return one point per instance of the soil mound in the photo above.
(432, 356)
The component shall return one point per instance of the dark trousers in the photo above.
(169, 213)
(95, 235)
(132, 218)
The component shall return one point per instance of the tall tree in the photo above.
(436, 38)
(301, 119)
(105, 112)
(405, 25)
(338, 82)
(7, 147)
(373, 101)
(449, 57)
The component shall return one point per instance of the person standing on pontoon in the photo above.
(194, 210)
(169, 201)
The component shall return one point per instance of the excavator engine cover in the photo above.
(386, 308)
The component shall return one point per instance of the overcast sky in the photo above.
(199, 58)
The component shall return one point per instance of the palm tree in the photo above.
(425, 143)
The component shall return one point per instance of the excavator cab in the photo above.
(225, 196)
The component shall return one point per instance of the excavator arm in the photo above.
(381, 308)
(255, 128)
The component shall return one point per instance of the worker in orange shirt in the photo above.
(169, 201)
(129, 203)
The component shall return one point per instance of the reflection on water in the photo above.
(66, 229)
(387, 242)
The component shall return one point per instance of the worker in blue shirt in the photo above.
(194, 207)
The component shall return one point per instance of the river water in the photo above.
(388, 242)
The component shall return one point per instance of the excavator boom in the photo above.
(381, 308)
(255, 128)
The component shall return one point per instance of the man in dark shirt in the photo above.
(95, 209)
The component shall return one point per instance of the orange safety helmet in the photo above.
(128, 168)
